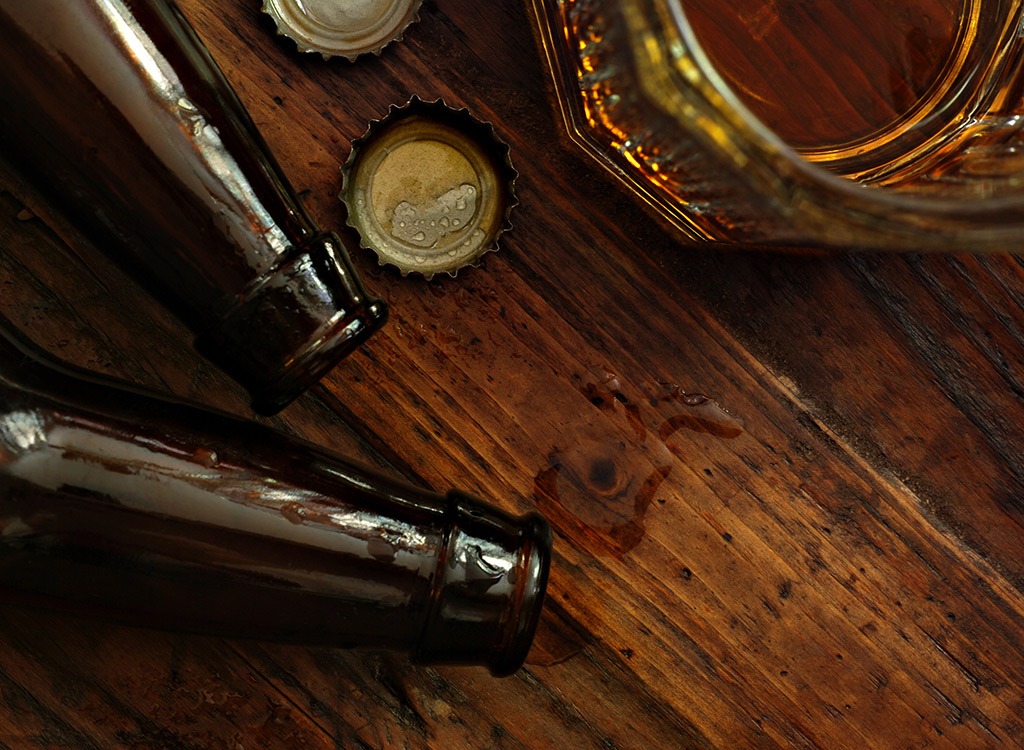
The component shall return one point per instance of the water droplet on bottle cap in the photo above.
(429, 188)
(343, 28)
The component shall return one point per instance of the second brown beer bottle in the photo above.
(119, 504)
(116, 110)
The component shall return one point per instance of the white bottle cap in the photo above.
(343, 28)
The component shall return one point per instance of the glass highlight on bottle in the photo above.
(888, 124)
(116, 503)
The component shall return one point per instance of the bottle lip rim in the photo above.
(520, 630)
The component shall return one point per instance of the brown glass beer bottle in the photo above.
(120, 504)
(117, 112)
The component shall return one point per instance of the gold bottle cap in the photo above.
(429, 188)
(344, 28)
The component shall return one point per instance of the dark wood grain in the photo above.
(831, 558)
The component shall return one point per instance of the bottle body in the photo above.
(118, 504)
(118, 112)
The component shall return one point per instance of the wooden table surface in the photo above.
(828, 551)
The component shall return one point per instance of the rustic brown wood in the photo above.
(835, 561)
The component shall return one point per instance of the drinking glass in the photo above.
(885, 124)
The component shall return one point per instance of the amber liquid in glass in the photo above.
(879, 90)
